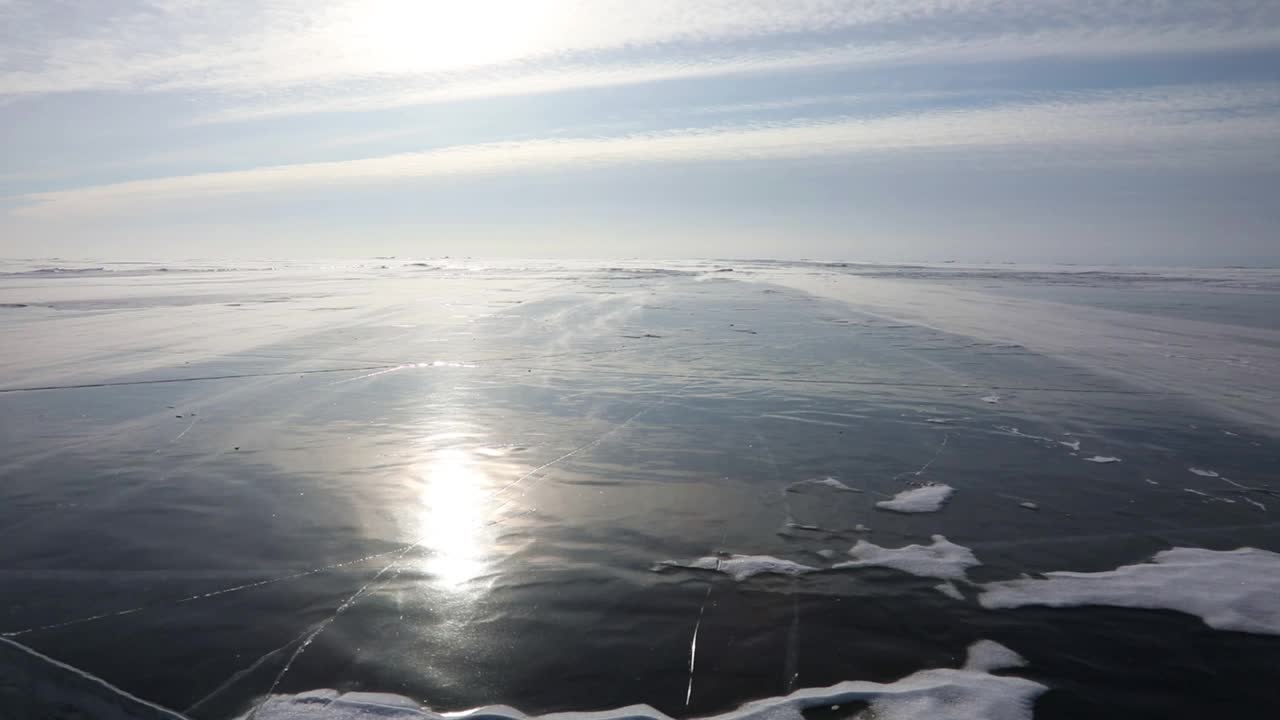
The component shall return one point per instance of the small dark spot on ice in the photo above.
(178, 416)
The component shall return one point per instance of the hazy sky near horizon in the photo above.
(1026, 130)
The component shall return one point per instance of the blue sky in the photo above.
(978, 130)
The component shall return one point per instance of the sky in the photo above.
(1089, 131)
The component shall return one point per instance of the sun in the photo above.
(398, 36)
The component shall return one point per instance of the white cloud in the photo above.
(1178, 128)
(297, 56)
(523, 80)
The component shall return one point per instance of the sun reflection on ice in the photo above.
(454, 515)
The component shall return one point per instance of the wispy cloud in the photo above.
(526, 80)
(300, 56)
(1183, 127)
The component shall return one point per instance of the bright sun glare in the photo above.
(440, 35)
(454, 502)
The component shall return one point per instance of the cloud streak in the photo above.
(1180, 128)
(294, 57)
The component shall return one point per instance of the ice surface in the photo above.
(1229, 590)
(929, 498)
(32, 685)
(741, 567)
(943, 559)
(1109, 342)
(969, 693)
(1102, 459)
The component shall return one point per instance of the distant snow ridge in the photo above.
(741, 567)
(1228, 590)
(929, 498)
(968, 693)
(943, 559)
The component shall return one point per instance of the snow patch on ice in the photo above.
(969, 693)
(823, 482)
(1228, 590)
(1073, 445)
(1010, 430)
(950, 590)
(929, 498)
(741, 567)
(1204, 473)
(986, 655)
(943, 559)
(803, 526)
(1029, 505)
(1102, 459)
(991, 399)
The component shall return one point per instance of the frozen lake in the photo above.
(580, 486)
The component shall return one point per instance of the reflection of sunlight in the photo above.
(453, 517)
